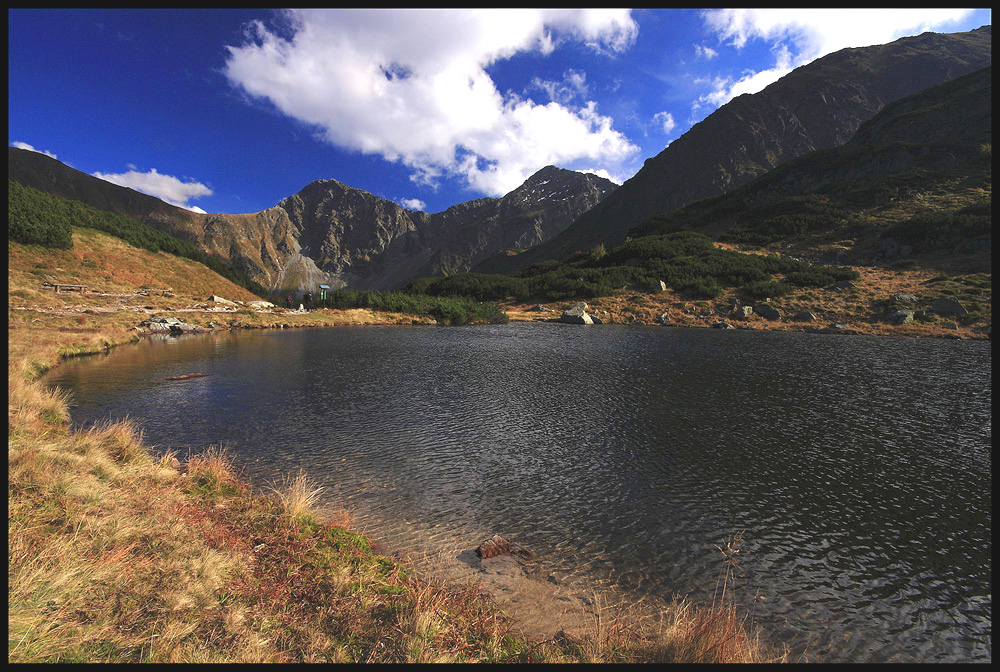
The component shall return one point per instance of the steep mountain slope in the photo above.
(914, 180)
(817, 106)
(333, 234)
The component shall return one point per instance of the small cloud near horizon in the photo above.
(167, 188)
(24, 145)
(412, 204)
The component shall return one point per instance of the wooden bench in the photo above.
(70, 288)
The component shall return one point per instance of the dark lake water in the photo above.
(859, 467)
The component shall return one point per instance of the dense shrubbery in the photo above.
(686, 261)
(927, 231)
(754, 225)
(35, 217)
(786, 218)
(448, 310)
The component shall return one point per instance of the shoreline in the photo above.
(36, 347)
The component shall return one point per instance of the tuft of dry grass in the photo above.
(296, 494)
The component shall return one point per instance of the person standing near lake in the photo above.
(309, 300)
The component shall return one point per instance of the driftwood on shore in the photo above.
(497, 545)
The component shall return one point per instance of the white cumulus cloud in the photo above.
(164, 187)
(412, 86)
(799, 36)
(24, 145)
(665, 120)
(412, 203)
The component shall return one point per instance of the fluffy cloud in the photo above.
(665, 120)
(24, 145)
(799, 36)
(412, 203)
(412, 86)
(167, 188)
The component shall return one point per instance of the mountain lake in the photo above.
(857, 468)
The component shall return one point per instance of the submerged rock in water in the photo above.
(497, 545)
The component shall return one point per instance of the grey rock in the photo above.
(948, 306)
(903, 298)
(722, 325)
(899, 317)
(185, 328)
(576, 314)
(741, 312)
(804, 316)
(767, 312)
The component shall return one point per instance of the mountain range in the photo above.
(333, 234)
(814, 107)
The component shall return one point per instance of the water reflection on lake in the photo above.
(860, 467)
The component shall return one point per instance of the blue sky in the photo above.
(233, 110)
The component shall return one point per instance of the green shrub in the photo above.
(448, 310)
(36, 218)
(767, 289)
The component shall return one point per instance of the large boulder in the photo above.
(576, 314)
(948, 306)
(766, 311)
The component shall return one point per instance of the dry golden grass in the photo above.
(296, 495)
(862, 309)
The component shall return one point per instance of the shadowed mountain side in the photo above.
(816, 106)
(924, 157)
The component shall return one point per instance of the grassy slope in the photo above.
(115, 556)
(861, 310)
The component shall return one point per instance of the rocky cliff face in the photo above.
(348, 237)
(333, 234)
(817, 106)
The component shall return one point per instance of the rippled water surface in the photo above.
(859, 467)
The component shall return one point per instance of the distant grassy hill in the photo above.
(107, 264)
(46, 220)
